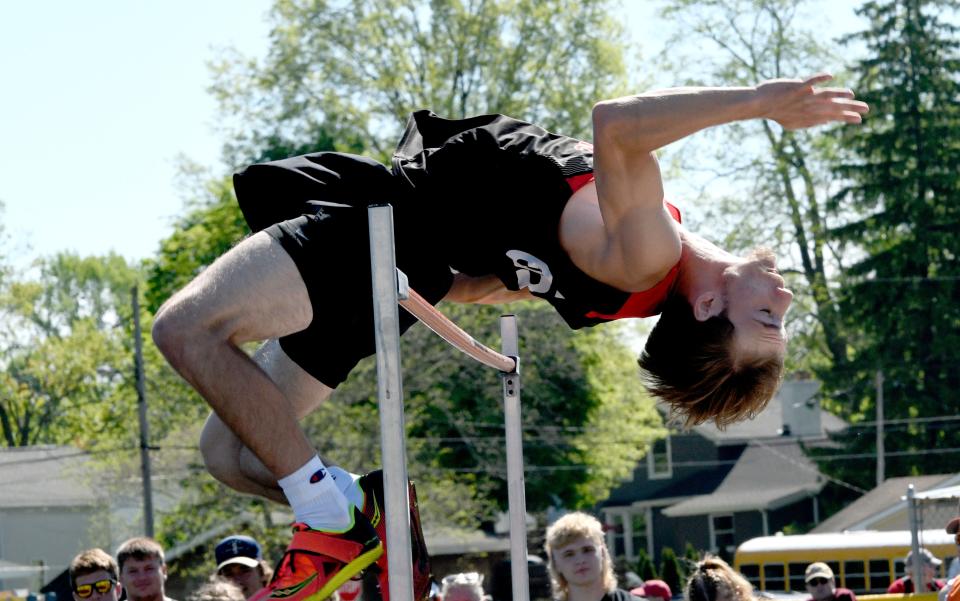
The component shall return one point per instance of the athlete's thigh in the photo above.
(253, 292)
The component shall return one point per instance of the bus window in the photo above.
(752, 573)
(854, 577)
(879, 574)
(773, 579)
(797, 572)
(899, 569)
(835, 568)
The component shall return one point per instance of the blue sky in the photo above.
(101, 97)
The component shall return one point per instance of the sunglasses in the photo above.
(101, 586)
(817, 581)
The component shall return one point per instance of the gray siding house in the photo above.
(716, 488)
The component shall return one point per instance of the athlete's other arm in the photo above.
(484, 290)
(640, 239)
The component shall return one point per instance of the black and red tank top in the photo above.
(495, 188)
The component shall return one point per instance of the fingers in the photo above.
(835, 92)
(817, 79)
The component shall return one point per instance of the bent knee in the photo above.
(171, 334)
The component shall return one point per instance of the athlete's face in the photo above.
(756, 302)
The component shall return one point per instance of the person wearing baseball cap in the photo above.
(822, 586)
(656, 590)
(240, 560)
(929, 563)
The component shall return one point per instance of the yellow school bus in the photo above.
(863, 561)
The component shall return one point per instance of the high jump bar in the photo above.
(387, 283)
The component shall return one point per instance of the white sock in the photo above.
(316, 499)
(347, 483)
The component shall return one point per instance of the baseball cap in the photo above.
(240, 549)
(653, 589)
(926, 556)
(817, 569)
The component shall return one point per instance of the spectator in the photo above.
(143, 571)
(822, 586)
(462, 587)
(929, 564)
(655, 590)
(580, 566)
(714, 580)
(218, 589)
(954, 570)
(240, 560)
(94, 577)
(951, 592)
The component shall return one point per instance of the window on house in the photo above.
(659, 463)
(638, 532)
(618, 529)
(628, 533)
(723, 534)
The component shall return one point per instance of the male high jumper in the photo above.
(486, 210)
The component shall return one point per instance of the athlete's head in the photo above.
(722, 358)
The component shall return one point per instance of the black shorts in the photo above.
(290, 200)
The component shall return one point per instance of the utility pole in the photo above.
(881, 460)
(144, 432)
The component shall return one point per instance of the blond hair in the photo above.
(218, 589)
(563, 532)
(713, 579)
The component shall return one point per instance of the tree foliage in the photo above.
(903, 301)
(350, 72)
(64, 351)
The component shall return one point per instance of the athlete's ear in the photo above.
(709, 304)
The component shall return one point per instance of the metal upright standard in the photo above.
(389, 289)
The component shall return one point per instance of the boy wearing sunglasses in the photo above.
(93, 577)
(822, 586)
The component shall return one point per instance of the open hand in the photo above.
(796, 104)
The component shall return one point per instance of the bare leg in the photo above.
(225, 456)
(253, 292)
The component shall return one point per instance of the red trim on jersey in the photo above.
(578, 181)
(647, 302)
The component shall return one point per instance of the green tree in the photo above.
(64, 351)
(904, 174)
(691, 555)
(775, 190)
(671, 571)
(645, 568)
(351, 72)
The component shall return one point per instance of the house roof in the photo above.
(768, 475)
(42, 476)
(767, 424)
(882, 498)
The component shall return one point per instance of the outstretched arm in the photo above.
(654, 119)
(641, 242)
